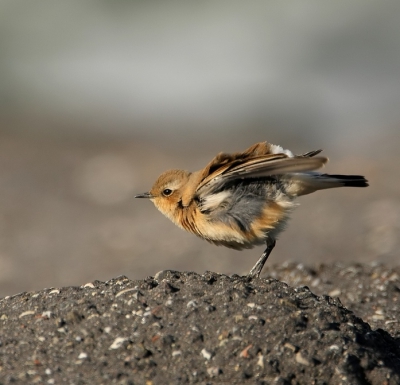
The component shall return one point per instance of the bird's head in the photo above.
(167, 191)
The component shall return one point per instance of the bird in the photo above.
(243, 199)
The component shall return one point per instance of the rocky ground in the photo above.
(183, 328)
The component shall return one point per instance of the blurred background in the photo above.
(97, 98)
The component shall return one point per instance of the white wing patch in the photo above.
(211, 202)
(275, 149)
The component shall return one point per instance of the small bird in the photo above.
(243, 199)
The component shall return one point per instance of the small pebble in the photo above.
(125, 291)
(260, 361)
(213, 371)
(238, 317)
(176, 353)
(290, 346)
(302, 360)
(47, 314)
(206, 354)
(137, 312)
(156, 325)
(191, 303)
(245, 352)
(118, 342)
(335, 293)
(315, 282)
(25, 313)
(169, 302)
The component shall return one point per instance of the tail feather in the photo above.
(306, 183)
(349, 180)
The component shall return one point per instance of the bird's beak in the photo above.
(144, 195)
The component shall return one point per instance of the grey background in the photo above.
(97, 98)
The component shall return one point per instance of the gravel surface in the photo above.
(371, 291)
(179, 328)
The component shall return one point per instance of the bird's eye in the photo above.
(166, 192)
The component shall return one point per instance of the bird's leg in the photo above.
(256, 270)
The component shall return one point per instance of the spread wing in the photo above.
(245, 165)
(232, 192)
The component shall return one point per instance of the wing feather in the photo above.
(260, 166)
(226, 169)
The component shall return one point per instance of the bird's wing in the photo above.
(312, 153)
(224, 168)
(238, 207)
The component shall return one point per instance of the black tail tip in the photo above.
(360, 183)
(352, 180)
